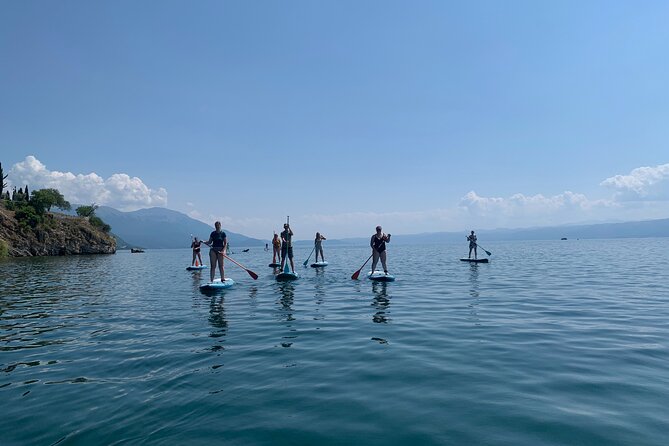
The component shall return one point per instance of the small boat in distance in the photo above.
(563, 238)
(136, 250)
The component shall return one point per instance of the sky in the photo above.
(419, 116)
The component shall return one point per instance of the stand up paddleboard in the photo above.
(380, 276)
(319, 264)
(475, 260)
(196, 268)
(274, 265)
(217, 285)
(286, 275)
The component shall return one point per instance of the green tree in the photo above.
(27, 215)
(98, 223)
(2, 180)
(45, 199)
(87, 211)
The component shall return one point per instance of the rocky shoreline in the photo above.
(59, 235)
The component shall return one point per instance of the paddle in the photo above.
(357, 273)
(251, 273)
(487, 252)
(307, 261)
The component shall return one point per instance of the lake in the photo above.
(551, 343)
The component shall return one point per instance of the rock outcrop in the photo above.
(59, 235)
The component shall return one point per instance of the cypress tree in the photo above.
(2, 180)
(27, 195)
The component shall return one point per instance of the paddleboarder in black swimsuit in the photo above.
(196, 251)
(472, 244)
(378, 244)
(318, 246)
(287, 246)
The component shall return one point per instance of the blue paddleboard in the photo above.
(274, 265)
(196, 268)
(380, 276)
(284, 277)
(217, 284)
(319, 264)
(474, 260)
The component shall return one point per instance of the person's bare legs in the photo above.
(212, 259)
(375, 260)
(221, 268)
(383, 262)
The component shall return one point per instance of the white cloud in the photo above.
(521, 210)
(642, 184)
(520, 204)
(119, 190)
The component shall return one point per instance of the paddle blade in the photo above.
(305, 262)
(252, 274)
(356, 274)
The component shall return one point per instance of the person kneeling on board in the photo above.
(218, 242)
(378, 244)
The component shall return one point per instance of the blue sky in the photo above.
(419, 116)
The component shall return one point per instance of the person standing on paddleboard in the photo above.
(472, 245)
(276, 246)
(196, 251)
(318, 246)
(218, 242)
(287, 246)
(378, 244)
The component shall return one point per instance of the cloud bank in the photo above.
(641, 184)
(640, 195)
(119, 190)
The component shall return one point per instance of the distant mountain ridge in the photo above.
(633, 229)
(160, 228)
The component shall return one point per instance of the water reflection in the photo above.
(218, 322)
(381, 302)
(474, 280)
(197, 279)
(474, 292)
(286, 299)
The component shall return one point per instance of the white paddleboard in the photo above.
(380, 276)
(196, 268)
(217, 284)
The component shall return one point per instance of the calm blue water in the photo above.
(552, 343)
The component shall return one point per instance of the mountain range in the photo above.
(633, 229)
(157, 228)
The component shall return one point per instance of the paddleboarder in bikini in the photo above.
(218, 242)
(378, 244)
(276, 246)
(471, 238)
